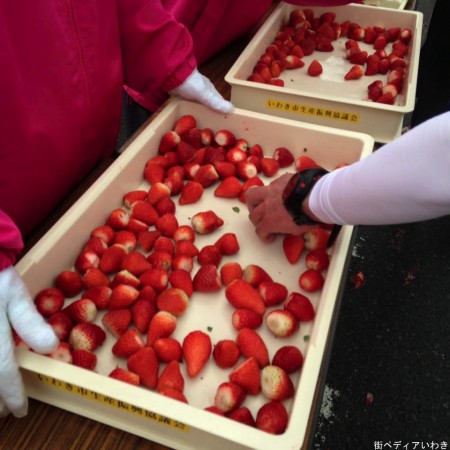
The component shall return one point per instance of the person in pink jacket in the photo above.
(65, 65)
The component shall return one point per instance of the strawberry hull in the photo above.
(143, 411)
(329, 99)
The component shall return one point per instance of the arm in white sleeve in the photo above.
(406, 180)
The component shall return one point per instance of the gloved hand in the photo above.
(267, 212)
(198, 88)
(17, 308)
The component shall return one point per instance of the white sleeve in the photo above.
(406, 180)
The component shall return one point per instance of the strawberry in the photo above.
(135, 263)
(213, 155)
(173, 300)
(369, 35)
(147, 293)
(94, 277)
(61, 324)
(84, 358)
(167, 224)
(209, 254)
(247, 375)
(383, 66)
(380, 42)
(165, 205)
(86, 260)
(229, 272)
(184, 232)
(191, 193)
(206, 222)
(405, 35)
(153, 172)
(69, 283)
(145, 364)
(125, 375)
(235, 155)
(96, 245)
(300, 306)
(206, 175)
(118, 219)
(315, 68)
(354, 73)
(111, 260)
(194, 138)
(142, 312)
(127, 344)
(144, 212)
(83, 310)
(227, 244)
(136, 226)
(125, 238)
(225, 169)
(316, 238)
(174, 394)
(242, 295)
(99, 295)
(226, 353)
(289, 358)
(86, 336)
(162, 324)
(186, 247)
(156, 192)
(117, 321)
(122, 296)
(184, 123)
(276, 384)
(62, 353)
(269, 167)
(104, 232)
(359, 58)
(283, 156)
(125, 277)
(167, 349)
(181, 278)
(256, 150)
(255, 275)
(311, 280)
(171, 377)
(229, 396)
(164, 244)
(272, 293)
(372, 64)
(391, 89)
(207, 135)
(244, 318)
(375, 90)
(225, 138)
(190, 169)
(183, 262)
(197, 349)
(242, 415)
(387, 99)
(146, 239)
(272, 418)
(393, 33)
(213, 409)
(281, 323)
(130, 197)
(168, 142)
(294, 61)
(251, 344)
(293, 247)
(317, 259)
(48, 301)
(229, 188)
(185, 152)
(304, 162)
(207, 279)
(160, 260)
(158, 279)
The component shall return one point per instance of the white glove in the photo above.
(198, 88)
(17, 308)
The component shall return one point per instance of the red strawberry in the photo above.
(387, 99)
(127, 239)
(294, 61)
(390, 89)
(185, 152)
(256, 150)
(158, 279)
(207, 136)
(164, 244)
(124, 375)
(225, 169)
(190, 169)
(144, 212)
(61, 324)
(83, 310)
(272, 293)
(147, 293)
(211, 156)
(167, 349)
(145, 364)
(276, 383)
(162, 324)
(180, 278)
(117, 321)
(69, 282)
(168, 142)
(167, 224)
(206, 222)
(229, 188)
(359, 58)
(62, 353)
(127, 344)
(283, 156)
(372, 65)
(288, 358)
(225, 138)
(86, 260)
(184, 232)
(165, 205)
(96, 245)
(146, 239)
(304, 162)
(135, 262)
(94, 277)
(272, 418)
(405, 35)
(85, 359)
(354, 73)
(242, 415)
(380, 42)
(251, 344)
(122, 296)
(125, 277)
(375, 90)
(242, 295)
(153, 172)
(184, 123)
(191, 193)
(104, 232)
(136, 226)
(244, 318)
(293, 247)
(197, 349)
(171, 378)
(173, 300)
(235, 155)
(300, 306)
(311, 280)
(99, 295)
(156, 192)
(315, 68)
(226, 353)
(160, 260)
(186, 247)
(142, 312)
(281, 323)
(182, 262)
(49, 301)
(269, 166)
(209, 254)
(247, 375)
(194, 138)
(111, 260)
(206, 175)
(316, 238)
(227, 244)
(86, 336)
(383, 66)
(255, 275)
(229, 396)
(118, 219)
(317, 259)
(229, 272)
(207, 279)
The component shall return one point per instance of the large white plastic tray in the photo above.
(147, 413)
(329, 99)
(394, 4)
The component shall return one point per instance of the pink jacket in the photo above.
(63, 66)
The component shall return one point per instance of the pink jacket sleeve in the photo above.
(322, 2)
(157, 51)
(10, 241)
